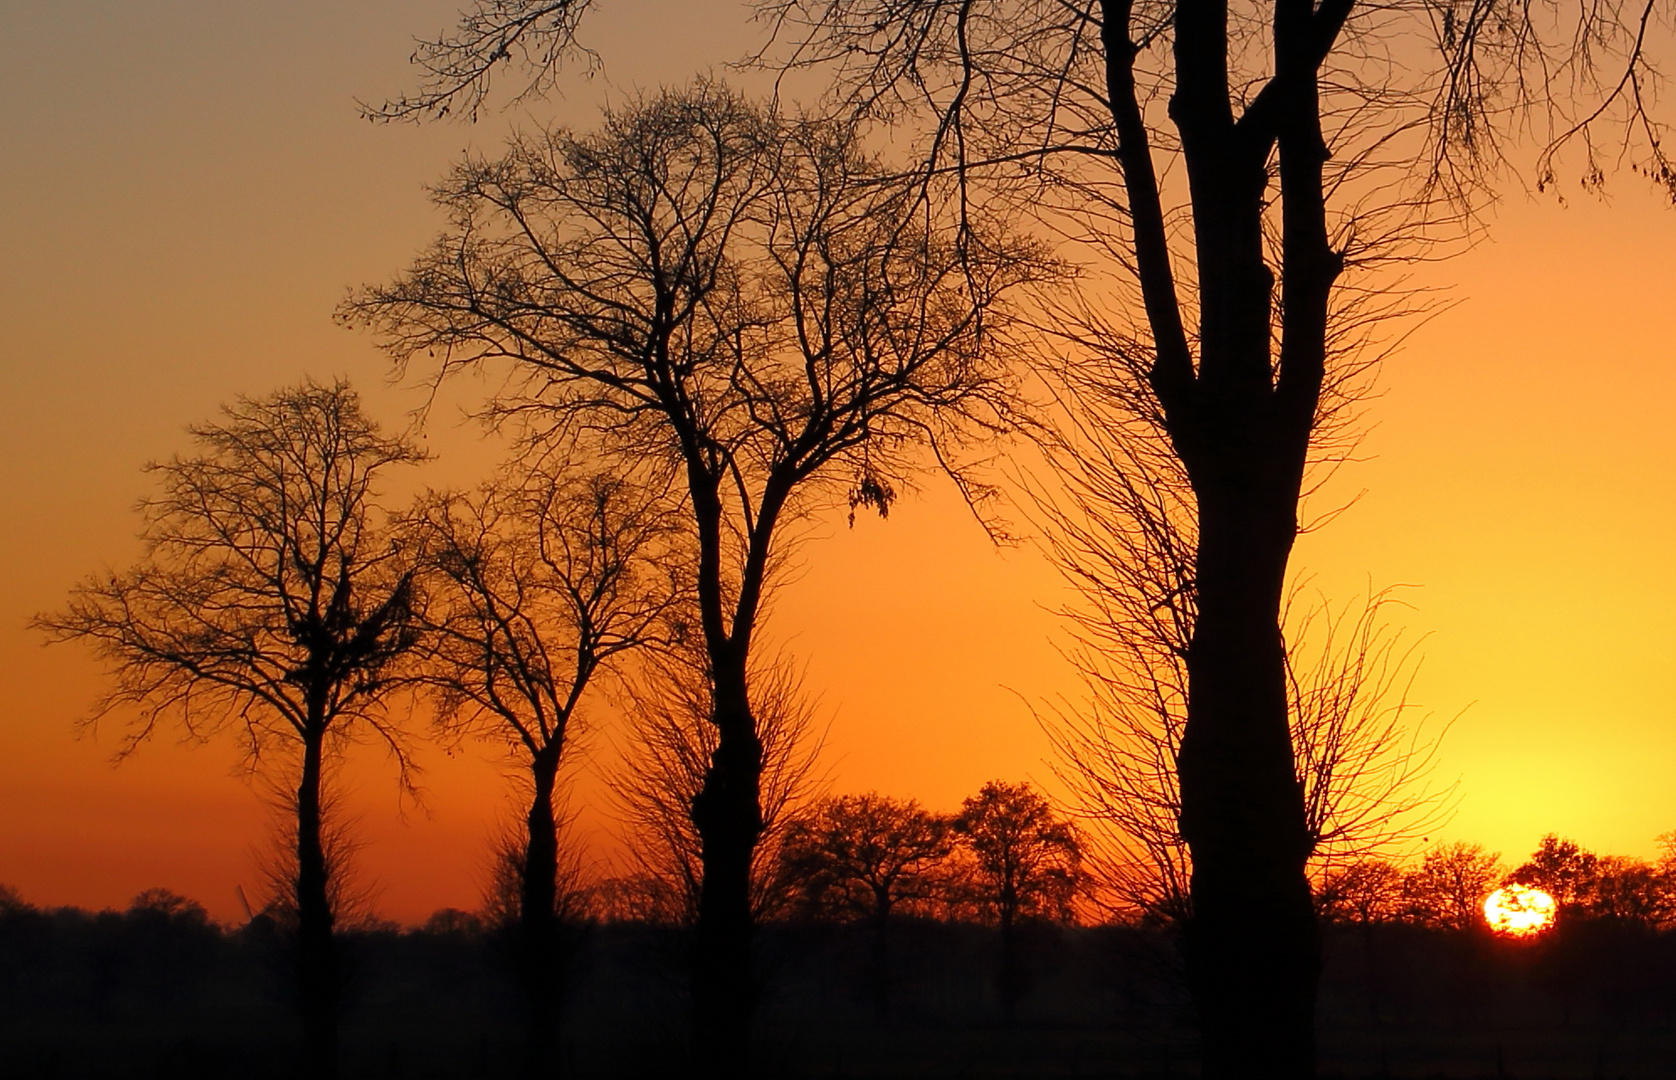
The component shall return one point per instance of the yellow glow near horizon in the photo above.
(1519, 911)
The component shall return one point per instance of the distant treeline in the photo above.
(1448, 886)
(160, 990)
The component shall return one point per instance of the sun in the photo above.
(1519, 911)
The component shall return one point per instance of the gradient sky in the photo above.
(186, 192)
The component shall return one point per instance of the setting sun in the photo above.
(1519, 911)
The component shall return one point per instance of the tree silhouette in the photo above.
(1228, 163)
(744, 298)
(1448, 889)
(665, 760)
(1362, 762)
(1298, 141)
(1560, 868)
(1361, 891)
(1605, 887)
(1026, 863)
(270, 601)
(863, 857)
(534, 584)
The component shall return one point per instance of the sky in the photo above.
(187, 192)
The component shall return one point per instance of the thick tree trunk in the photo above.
(728, 817)
(1252, 949)
(540, 960)
(1242, 429)
(317, 961)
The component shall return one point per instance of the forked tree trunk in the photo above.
(1242, 429)
(728, 817)
(539, 960)
(317, 961)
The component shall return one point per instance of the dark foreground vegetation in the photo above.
(160, 991)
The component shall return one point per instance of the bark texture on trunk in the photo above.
(317, 960)
(728, 816)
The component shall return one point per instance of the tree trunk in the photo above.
(1252, 947)
(1011, 980)
(540, 961)
(317, 961)
(879, 976)
(728, 817)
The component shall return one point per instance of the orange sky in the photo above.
(186, 193)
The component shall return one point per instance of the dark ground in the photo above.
(147, 995)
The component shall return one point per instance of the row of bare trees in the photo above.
(709, 318)
(1449, 885)
(271, 570)
(278, 596)
(1005, 858)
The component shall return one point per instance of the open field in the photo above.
(116, 996)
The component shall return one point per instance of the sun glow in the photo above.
(1519, 911)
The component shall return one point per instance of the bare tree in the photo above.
(745, 298)
(1365, 890)
(1026, 863)
(1632, 893)
(1363, 765)
(1561, 868)
(1448, 889)
(664, 764)
(535, 584)
(1120, 522)
(1027, 860)
(1228, 162)
(865, 857)
(270, 602)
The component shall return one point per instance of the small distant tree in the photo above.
(535, 585)
(1026, 863)
(452, 922)
(1447, 890)
(863, 857)
(639, 897)
(272, 601)
(1361, 891)
(1632, 892)
(1561, 868)
(171, 906)
(12, 901)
